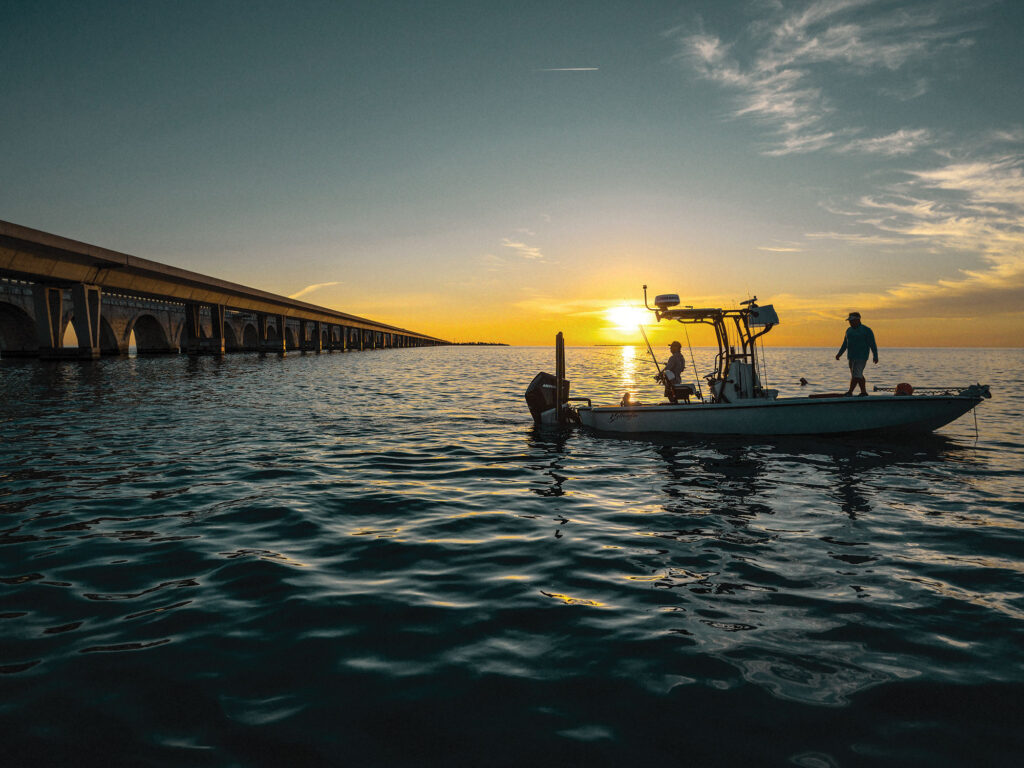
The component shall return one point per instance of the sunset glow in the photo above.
(825, 156)
(628, 318)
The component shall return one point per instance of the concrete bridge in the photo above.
(48, 282)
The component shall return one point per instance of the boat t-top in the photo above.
(735, 402)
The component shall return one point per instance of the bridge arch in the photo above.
(150, 337)
(108, 339)
(231, 339)
(250, 337)
(17, 332)
(291, 339)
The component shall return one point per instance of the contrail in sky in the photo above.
(569, 69)
(311, 288)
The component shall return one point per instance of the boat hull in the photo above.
(788, 416)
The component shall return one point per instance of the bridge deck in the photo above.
(29, 254)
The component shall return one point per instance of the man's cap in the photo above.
(853, 315)
(675, 344)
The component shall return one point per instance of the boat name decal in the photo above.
(621, 415)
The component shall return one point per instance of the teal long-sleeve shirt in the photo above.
(858, 342)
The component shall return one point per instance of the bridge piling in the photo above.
(266, 343)
(49, 306)
(85, 303)
(195, 342)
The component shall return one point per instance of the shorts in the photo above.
(857, 368)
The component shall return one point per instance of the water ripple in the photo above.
(267, 561)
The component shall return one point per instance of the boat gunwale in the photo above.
(783, 402)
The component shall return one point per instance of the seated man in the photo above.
(672, 375)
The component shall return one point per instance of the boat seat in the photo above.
(681, 392)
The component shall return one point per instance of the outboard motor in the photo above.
(540, 397)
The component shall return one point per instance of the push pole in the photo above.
(559, 378)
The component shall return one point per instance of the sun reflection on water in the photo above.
(628, 367)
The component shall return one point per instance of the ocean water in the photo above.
(374, 559)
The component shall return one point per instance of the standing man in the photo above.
(858, 342)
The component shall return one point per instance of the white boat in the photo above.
(735, 402)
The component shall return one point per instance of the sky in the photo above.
(502, 171)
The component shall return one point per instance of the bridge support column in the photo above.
(49, 306)
(85, 302)
(282, 330)
(195, 343)
(318, 334)
(266, 344)
(261, 332)
(217, 317)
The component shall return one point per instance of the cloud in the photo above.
(314, 287)
(971, 207)
(493, 263)
(524, 250)
(995, 181)
(778, 67)
(1011, 136)
(791, 72)
(902, 142)
(906, 91)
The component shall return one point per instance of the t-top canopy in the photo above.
(691, 314)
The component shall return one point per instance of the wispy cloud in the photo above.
(524, 250)
(779, 67)
(971, 207)
(314, 287)
(902, 142)
(792, 71)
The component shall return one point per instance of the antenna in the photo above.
(645, 298)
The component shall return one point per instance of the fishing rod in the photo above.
(653, 358)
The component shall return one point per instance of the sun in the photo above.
(625, 318)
